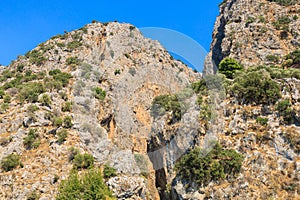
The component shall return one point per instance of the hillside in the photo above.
(96, 84)
(103, 104)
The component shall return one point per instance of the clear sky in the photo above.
(26, 23)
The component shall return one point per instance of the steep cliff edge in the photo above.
(256, 32)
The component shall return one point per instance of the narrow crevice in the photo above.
(217, 54)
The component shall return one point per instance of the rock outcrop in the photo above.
(255, 32)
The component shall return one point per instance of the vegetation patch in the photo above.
(45, 100)
(202, 166)
(67, 106)
(167, 103)
(109, 171)
(294, 57)
(60, 76)
(31, 141)
(73, 45)
(228, 67)
(68, 122)
(10, 162)
(89, 185)
(99, 93)
(83, 161)
(285, 111)
(262, 121)
(62, 136)
(255, 86)
(36, 57)
(30, 92)
(73, 61)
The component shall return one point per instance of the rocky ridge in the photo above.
(255, 32)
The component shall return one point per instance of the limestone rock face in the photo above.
(114, 127)
(92, 90)
(253, 31)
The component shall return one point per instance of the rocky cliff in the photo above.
(155, 128)
(96, 85)
(256, 32)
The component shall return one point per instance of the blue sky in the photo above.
(25, 24)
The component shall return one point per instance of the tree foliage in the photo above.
(89, 185)
(202, 166)
(10, 162)
(255, 87)
(228, 67)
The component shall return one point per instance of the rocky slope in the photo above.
(128, 70)
(256, 32)
(123, 99)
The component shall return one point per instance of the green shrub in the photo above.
(282, 23)
(83, 161)
(73, 61)
(87, 186)
(294, 56)
(200, 87)
(73, 45)
(61, 45)
(57, 121)
(31, 141)
(61, 77)
(228, 67)
(206, 112)
(4, 107)
(30, 91)
(202, 167)
(6, 98)
(72, 153)
(84, 29)
(29, 76)
(32, 196)
(62, 136)
(2, 93)
(99, 93)
(262, 121)
(250, 20)
(109, 171)
(166, 103)
(6, 74)
(278, 73)
(51, 84)
(63, 95)
(10, 162)
(45, 100)
(36, 57)
(255, 87)
(68, 122)
(285, 110)
(272, 58)
(32, 108)
(66, 107)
